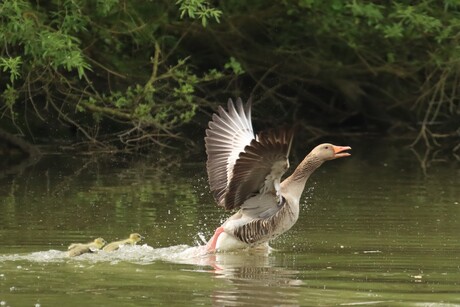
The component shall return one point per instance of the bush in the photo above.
(85, 62)
(133, 73)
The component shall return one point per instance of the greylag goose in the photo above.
(132, 240)
(76, 249)
(245, 172)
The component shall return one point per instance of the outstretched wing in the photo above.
(228, 134)
(259, 167)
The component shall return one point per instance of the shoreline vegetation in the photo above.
(131, 76)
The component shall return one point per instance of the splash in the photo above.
(145, 254)
(141, 254)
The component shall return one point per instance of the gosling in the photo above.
(132, 240)
(77, 249)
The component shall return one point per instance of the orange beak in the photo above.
(338, 151)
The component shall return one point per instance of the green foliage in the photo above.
(198, 9)
(12, 66)
(43, 46)
(94, 62)
(393, 64)
(10, 95)
(135, 72)
(104, 7)
(372, 13)
(235, 66)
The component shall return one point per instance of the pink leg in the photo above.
(211, 246)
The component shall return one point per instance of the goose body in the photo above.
(132, 240)
(245, 173)
(76, 249)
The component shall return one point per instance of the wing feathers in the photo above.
(228, 134)
(260, 167)
(240, 164)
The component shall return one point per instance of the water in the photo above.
(374, 229)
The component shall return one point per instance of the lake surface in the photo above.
(374, 229)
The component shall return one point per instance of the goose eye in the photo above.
(327, 147)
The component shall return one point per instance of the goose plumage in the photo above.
(132, 240)
(244, 172)
(77, 249)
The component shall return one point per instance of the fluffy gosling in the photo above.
(76, 249)
(132, 240)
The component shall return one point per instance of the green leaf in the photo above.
(13, 66)
(235, 66)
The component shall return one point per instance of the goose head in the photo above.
(99, 242)
(135, 237)
(326, 151)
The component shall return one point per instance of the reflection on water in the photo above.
(373, 230)
(246, 273)
(252, 277)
